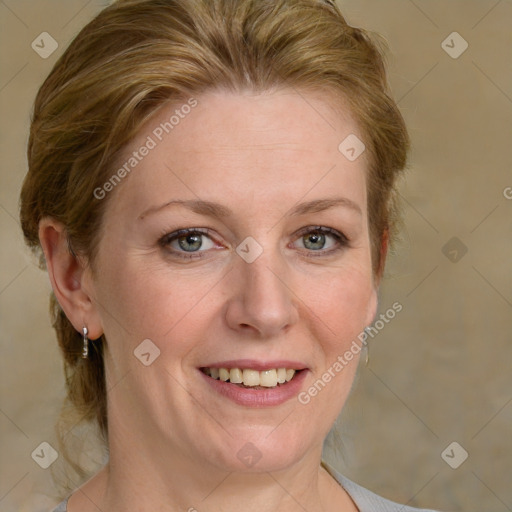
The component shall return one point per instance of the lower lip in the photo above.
(258, 397)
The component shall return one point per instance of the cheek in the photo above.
(142, 298)
(341, 306)
(340, 309)
(147, 301)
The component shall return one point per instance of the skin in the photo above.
(173, 441)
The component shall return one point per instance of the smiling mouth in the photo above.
(253, 379)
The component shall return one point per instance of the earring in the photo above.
(85, 350)
(367, 347)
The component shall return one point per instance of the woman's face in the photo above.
(274, 271)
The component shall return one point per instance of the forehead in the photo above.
(240, 147)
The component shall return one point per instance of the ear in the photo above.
(383, 255)
(67, 275)
(372, 307)
(374, 302)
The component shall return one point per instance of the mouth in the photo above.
(249, 378)
(255, 383)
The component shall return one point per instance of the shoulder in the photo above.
(366, 500)
(61, 507)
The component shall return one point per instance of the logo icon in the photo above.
(44, 45)
(454, 45)
(352, 147)
(454, 249)
(249, 250)
(45, 455)
(147, 352)
(454, 455)
(249, 454)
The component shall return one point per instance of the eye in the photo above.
(183, 241)
(316, 239)
(191, 242)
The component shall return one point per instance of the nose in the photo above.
(262, 301)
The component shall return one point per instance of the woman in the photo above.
(211, 183)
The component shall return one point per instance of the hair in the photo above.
(135, 56)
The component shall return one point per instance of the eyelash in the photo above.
(342, 241)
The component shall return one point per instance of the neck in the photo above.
(137, 480)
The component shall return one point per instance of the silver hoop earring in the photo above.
(85, 349)
(367, 347)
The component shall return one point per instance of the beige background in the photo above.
(441, 370)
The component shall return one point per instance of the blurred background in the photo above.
(429, 420)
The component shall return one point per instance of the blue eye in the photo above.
(314, 239)
(190, 243)
(187, 241)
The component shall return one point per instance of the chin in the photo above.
(254, 452)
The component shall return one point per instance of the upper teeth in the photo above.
(266, 378)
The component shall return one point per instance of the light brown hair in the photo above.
(138, 54)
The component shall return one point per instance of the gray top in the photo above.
(365, 500)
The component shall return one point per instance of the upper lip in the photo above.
(252, 364)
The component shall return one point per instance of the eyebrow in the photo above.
(212, 209)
